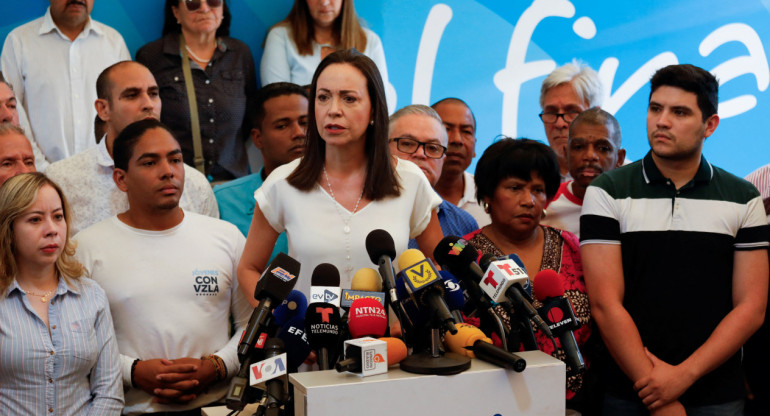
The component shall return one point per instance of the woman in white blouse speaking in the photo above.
(345, 186)
(58, 353)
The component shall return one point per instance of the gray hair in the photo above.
(419, 110)
(584, 80)
(598, 117)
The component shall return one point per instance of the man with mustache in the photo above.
(169, 275)
(416, 134)
(675, 258)
(566, 92)
(11, 112)
(52, 63)
(593, 148)
(455, 185)
(280, 124)
(127, 92)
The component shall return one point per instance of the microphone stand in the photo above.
(435, 360)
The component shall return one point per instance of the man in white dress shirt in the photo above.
(52, 63)
(127, 92)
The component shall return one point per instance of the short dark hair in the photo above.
(597, 117)
(104, 84)
(459, 101)
(691, 79)
(516, 158)
(276, 89)
(381, 180)
(123, 147)
(170, 24)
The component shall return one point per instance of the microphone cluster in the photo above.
(349, 329)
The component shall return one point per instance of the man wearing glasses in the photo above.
(566, 92)
(417, 134)
(52, 63)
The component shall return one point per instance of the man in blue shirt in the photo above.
(279, 133)
(417, 134)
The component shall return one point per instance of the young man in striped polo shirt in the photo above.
(674, 253)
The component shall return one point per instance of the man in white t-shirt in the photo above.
(592, 149)
(455, 184)
(127, 92)
(169, 275)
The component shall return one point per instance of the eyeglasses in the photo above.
(193, 5)
(410, 146)
(552, 117)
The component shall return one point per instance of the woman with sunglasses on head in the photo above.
(345, 186)
(313, 29)
(222, 76)
(58, 352)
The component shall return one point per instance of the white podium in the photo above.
(484, 390)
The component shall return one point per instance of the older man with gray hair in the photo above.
(566, 92)
(416, 134)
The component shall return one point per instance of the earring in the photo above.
(486, 207)
(544, 213)
(371, 122)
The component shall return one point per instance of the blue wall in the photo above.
(495, 53)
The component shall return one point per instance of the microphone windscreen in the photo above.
(453, 292)
(380, 243)
(325, 274)
(278, 278)
(410, 257)
(466, 336)
(294, 338)
(366, 279)
(548, 284)
(455, 253)
(323, 323)
(294, 305)
(396, 350)
(367, 318)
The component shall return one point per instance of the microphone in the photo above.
(396, 350)
(271, 371)
(356, 357)
(453, 294)
(294, 305)
(323, 322)
(295, 341)
(325, 284)
(364, 356)
(558, 314)
(273, 287)
(366, 283)
(425, 286)
(503, 281)
(382, 251)
(367, 319)
(471, 342)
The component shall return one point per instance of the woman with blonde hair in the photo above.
(313, 29)
(58, 353)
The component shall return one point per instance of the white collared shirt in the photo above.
(469, 203)
(54, 79)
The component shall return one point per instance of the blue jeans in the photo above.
(614, 406)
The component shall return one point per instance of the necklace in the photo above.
(43, 296)
(203, 61)
(346, 229)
